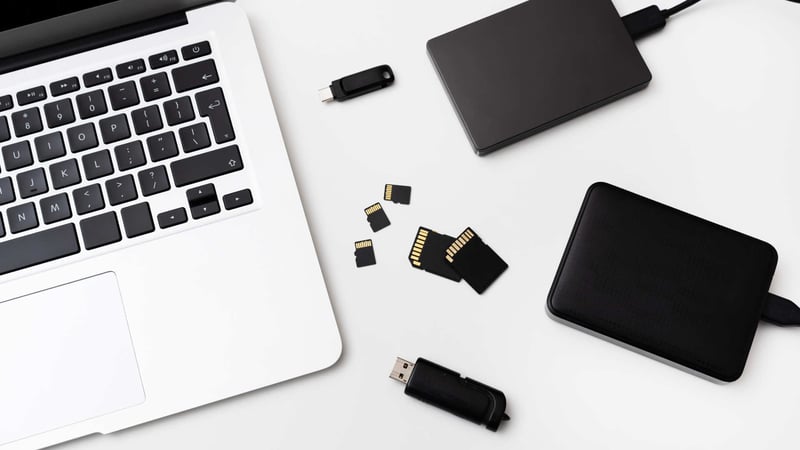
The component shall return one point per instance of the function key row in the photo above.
(105, 75)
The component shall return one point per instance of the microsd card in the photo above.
(376, 217)
(365, 253)
(397, 194)
(428, 253)
(475, 261)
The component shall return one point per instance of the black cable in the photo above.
(679, 7)
(780, 311)
(652, 18)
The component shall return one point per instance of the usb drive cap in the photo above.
(446, 389)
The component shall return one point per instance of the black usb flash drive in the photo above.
(358, 84)
(446, 389)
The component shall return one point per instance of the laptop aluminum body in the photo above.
(181, 316)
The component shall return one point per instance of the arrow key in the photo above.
(171, 218)
(238, 199)
(203, 201)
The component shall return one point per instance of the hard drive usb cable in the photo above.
(652, 19)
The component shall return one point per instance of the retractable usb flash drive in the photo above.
(446, 389)
(358, 84)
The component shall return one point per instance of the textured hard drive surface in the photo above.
(664, 281)
(535, 65)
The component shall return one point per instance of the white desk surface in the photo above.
(715, 134)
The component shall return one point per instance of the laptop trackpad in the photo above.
(65, 356)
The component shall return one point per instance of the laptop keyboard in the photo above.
(83, 157)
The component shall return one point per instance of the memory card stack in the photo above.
(466, 256)
(455, 258)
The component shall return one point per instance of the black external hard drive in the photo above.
(663, 281)
(536, 65)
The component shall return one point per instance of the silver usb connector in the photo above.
(326, 94)
(401, 370)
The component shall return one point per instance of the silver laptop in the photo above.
(154, 253)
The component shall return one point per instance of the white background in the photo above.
(715, 134)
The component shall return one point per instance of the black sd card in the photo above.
(475, 261)
(397, 194)
(376, 217)
(365, 254)
(428, 253)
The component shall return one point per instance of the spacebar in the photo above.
(38, 248)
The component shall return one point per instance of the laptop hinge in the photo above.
(91, 42)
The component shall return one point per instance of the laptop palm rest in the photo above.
(65, 356)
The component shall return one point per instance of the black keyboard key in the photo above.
(146, 120)
(154, 181)
(59, 113)
(137, 220)
(121, 190)
(98, 77)
(155, 87)
(123, 95)
(22, 218)
(212, 104)
(83, 137)
(99, 231)
(194, 138)
(5, 133)
(50, 146)
(2, 229)
(207, 165)
(115, 129)
(32, 183)
(27, 122)
(88, 199)
(64, 86)
(196, 50)
(31, 95)
(55, 209)
(6, 103)
(130, 155)
(97, 165)
(195, 75)
(203, 201)
(179, 111)
(238, 199)
(38, 248)
(130, 68)
(6, 191)
(162, 146)
(163, 59)
(91, 104)
(17, 155)
(65, 174)
(171, 218)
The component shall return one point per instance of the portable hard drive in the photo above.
(534, 66)
(664, 281)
